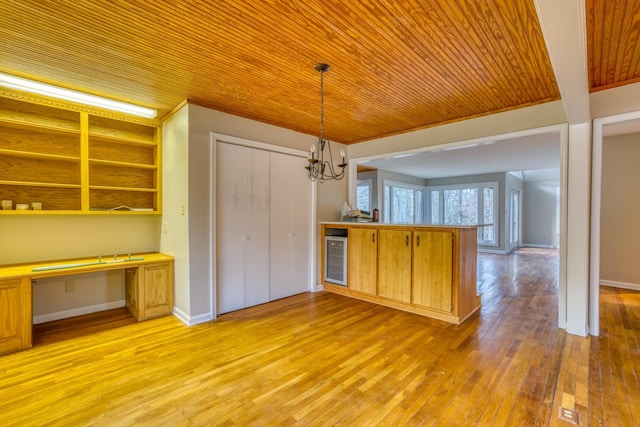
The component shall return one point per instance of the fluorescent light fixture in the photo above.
(31, 86)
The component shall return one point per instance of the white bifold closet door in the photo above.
(262, 226)
(242, 217)
(290, 222)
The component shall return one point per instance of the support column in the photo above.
(578, 229)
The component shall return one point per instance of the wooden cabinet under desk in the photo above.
(427, 270)
(148, 290)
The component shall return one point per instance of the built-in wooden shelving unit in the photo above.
(74, 161)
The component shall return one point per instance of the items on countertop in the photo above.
(354, 215)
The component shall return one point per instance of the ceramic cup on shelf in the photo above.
(36, 206)
(7, 205)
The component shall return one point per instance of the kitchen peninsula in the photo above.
(423, 269)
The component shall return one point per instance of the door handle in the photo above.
(406, 240)
(373, 237)
(417, 240)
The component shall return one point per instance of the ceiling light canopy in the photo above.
(44, 89)
(318, 167)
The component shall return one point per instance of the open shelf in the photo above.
(73, 161)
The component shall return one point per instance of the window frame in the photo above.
(386, 216)
(479, 187)
(362, 183)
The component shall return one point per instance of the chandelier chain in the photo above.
(319, 168)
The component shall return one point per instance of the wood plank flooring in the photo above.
(614, 361)
(323, 359)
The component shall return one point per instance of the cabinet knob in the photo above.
(406, 240)
(417, 240)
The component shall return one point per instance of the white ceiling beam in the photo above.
(564, 28)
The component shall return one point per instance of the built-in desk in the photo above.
(148, 289)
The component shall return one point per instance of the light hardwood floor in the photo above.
(322, 359)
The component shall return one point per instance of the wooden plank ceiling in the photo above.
(396, 66)
(613, 28)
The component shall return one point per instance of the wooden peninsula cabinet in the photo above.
(427, 270)
(363, 259)
(394, 264)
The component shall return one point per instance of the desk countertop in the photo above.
(79, 265)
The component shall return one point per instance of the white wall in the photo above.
(90, 292)
(575, 318)
(522, 119)
(619, 211)
(175, 224)
(193, 247)
(540, 207)
(32, 238)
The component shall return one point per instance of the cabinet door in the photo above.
(362, 259)
(15, 314)
(290, 208)
(156, 289)
(242, 231)
(131, 290)
(433, 269)
(394, 264)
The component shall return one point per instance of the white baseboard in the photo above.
(191, 320)
(318, 288)
(534, 245)
(77, 312)
(181, 315)
(492, 251)
(623, 285)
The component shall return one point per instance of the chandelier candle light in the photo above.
(319, 168)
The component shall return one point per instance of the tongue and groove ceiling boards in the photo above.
(613, 48)
(396, 66)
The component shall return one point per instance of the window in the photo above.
(435, 207)
(403, 203)
(364, 195)
(466, 204)
(461, 206)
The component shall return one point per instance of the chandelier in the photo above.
(319, 168)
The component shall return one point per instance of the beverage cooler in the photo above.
(335, 260)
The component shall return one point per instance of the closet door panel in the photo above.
(301, 229)
(280, 279)
(290, 214)
(230, 227)
(256, 214)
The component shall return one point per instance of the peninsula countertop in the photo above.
(389, 224)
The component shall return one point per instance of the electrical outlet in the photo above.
(69, 286)
(568, 415)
